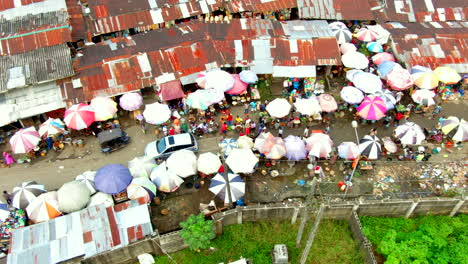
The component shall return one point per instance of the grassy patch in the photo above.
(333, 244)
(264, 90)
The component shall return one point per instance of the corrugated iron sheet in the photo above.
(30, 7)
(76, 19)
(427, 10)
(335, 9)
(85, 233)
(431, 44)
(258, 6)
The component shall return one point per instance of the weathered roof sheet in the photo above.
(431, 44)
(427, 10)
(335, 9)
(85, 233)
(78, 26)
(40, 65)
(17, 8)
(259, 6)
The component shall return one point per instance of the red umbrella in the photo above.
(79, 116)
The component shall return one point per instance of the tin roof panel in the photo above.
(335, 9)
(425, 11)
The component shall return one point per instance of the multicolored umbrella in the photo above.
(87, 178)
(309, 106)
(52, 126)
(447, 75)
(141, 187)
(218, 187)
(25, 193)
(208, 163)
(367, 82)
(341, 32)
(410, 133)
(319, 145)
(399, 79)
(379, 58)
(24, 140)
(219, 80)
(239, 86)
(264, 142)
(374, 47)
(245, 142)
(242, 161)
(101, 198)
(131, 101)
(426, 80)
(372, 108)
(165, 179)
(277, 150)
(157, 113)
(351, 94)
(141, 166)
(348, 151)
(112, 179)
(456, 128)
(327, 103)
(423, 97)
(183, 163)
(347, 47)
(104, 108)
(355, 60)
(370, 147)
(248, 76)
(44, 208)
(385, 67)
(389, 145)
(73, 196)
(227, 145)
(295, 148)
(79, 116)
(388, 97)
(367, 35)
(278, 108)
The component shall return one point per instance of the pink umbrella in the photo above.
(131, 101)
(399, 79)
(79, 116)
(367, 35)
(25, 140)
(239, 86)
(327, 103)
(372, 108)
(381, 57)
(347, 47)
(319, 145)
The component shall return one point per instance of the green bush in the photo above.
(429, 239)
(197, 232)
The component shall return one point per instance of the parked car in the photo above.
(163, 148)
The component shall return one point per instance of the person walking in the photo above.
(246, 108)
(280, 132)
(8, 159)
(229, 120)
(224, 129)
(7, 197)
(305, 134)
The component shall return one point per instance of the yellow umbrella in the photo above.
(427, 80)
(447, 75)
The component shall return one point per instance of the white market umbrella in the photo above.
(389, 145)
(347, 47)
(141, 166)
(308, 106)
(370, 147)
(44, 208)
(277, 150)
(52, 126)
(101, 198)
(319, 145)
(351, 95)
(87, 178)
(278, 108)
(141, 187)
(25, 193)
(73, 196)
(219, 80)
(104, 108)
(165, 179)
(25, 140)
(456, 128)
(351, 73)
(183, 163)
(348, 150)
(367, 82)
(208, 163)
(423, 97)
(355, 60)
(242, 161)
(264, 142)
(219, 187)
(248, 76)
(245, 142)
(410, 133)
(203, 98)
(157, 113)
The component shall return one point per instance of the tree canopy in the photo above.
(197, 232)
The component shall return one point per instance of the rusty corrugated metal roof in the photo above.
(259, 6)
(431, 44)
(335, 9)
(85, 233)
(425, 11)
(78, 26)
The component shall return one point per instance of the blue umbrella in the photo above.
(374, 47)
(112, 179)
(248, 76)
(385, 67)
(227, 145)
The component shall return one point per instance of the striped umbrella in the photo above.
(165, 179)
(79, 116)
(355, 60)
(348, 150)
(208, 163)
(131, 101)
(26, 193)
(242, 161)
(104, 108)
(456, 128)
(426, 80)
(447, 75)
(141, 187)
(385, 67)
(87, 178)
(327, 103)
(410, 133)
(370, 147)
(423, 97)
(44, 208)
(418, 69)
(347, 47)
(156, 113)
(372, 108)
(278, 150)
(227, 145)
(51, 127)
(341, 32)
(367, 35)
(351, 95)
(381, 57)
(25, 140)
(319, 145)
(218, 187)
(399, 79)
(374, 47)
(388, 97)
(367, 82)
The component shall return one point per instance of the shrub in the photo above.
(197, 232)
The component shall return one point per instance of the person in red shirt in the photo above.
(172, 131)
(399, 116)
(224, 128)
(229, 120)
